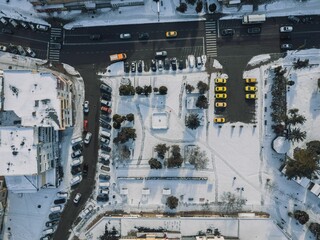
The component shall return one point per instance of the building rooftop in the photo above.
(33, 97)
(18, 151)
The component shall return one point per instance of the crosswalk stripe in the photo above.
(211, 38)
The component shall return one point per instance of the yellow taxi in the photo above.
(221, 104)
(250, 80)
(250, 88)
(171, 34)
(220, 80)
(220, 89)
(251, 96)
(221, 96)
(219, 120)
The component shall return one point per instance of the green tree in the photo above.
(175, 160)
(116, 125)
(189, 88)
(199, 6)
(147, 90)
(139, 90)
(315, 229)
(126, 90)
(182, 7)
(155, 164)
(296, 135)
(202, 87)
(155, 89)
(212, 7)
(193, 121)
(163, 90)
(301, 216)
(117, 118)
(202, 102)
(161, 149)
(125, 134)
(314, 147)
(172, 202)
(130, 117)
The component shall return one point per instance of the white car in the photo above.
(62, 194)
(191, 60)
(3, 48)
(76, 162)
(87, 139)
(86, 106)
(75, 180)
(77, 198)
(286, 29)
(30, 52)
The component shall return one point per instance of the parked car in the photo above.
(56, 208)
(250, 80)
(55, 216)
(105, 88)
(32, 26)
(125, 36)
(104, 161)
(166, 64)
(105, 169)
(106, 103)
(105, 118)
(161, 54)
(160, 65)
(199, 62)
(105, 148)
(88, 137)
(293, 19)
(30, 52)
(181, 64)
(286, 29)
(76, 162)
(250, 88)
(220, 89)
(76, 154)
(42, 28)
(106, 97)
(227, 32)
(3, 48)
(76, 180)
(52, 223)
(126, 67)
(48, 231)
(191, 61)
(254, 30)
(13, 23)
(62, 194)
(219, 120)
(104, 177)
(85, 169)
(7, 31)
(174, 64)
(3, 21)
(86, 107)
(103, 198)
(105, 109)
(75, 170)
(251, 96)
(21, 50)
(77, 146)
(77, 198)
(139, 66)
(153, 65)
(105, 140)
(220, 80)
(144, 36)
(133, 67)
(85, 213)
(59, 201)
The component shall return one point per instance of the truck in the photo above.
(254, 19)
(118, 57)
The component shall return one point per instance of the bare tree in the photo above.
(231, 202)
(197, 158)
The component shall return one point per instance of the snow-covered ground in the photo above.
(241, 159)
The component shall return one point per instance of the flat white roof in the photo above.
(160, 120)
(18, 151)
(316, 189)
(33, 97)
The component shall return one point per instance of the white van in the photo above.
(105, 134)
(4, 21)
(104, 185)
(42, 27)
(13, 23)
(56, 208)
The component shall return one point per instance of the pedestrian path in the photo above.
(55, 44)
(211, 38)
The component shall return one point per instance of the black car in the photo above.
(55, 216)
(105, 117)
(254, 30)
(103, 198)
(126, 67)
(105, 147)
(104, 177)
(144, 36)
(166, 64)
(174, 64)
(106, 97)
(139, 66)
(227, 32)
(104, 162)
(75, 170)
(52, 223)
(85, 169)
(59, 201)
(105, 125)
(105, 88)
(153, 65)
(77, 146)
(181, 64)
(7, 31)
(133, 67)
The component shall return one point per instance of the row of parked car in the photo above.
(26, 25)
(105, 149)
(18, 49)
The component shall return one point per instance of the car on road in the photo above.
(104, 177)
(221, 104)
(286, 29)
(250, 80)
(7, 31)
(166, 64)
(286, 46)
(153, 65)
(219, 120)
(59, 201)
(85, 169)
(75, 180)
(88, 137)
(55, 216)
(105, 88)
(30, 52)
(47, 231)
(125, 36)
(160, 54)
(144, 36)
(221, 96)
(171, 34)
(254, 30)
(251, 96)
(103, 198)
(3, 48)
(250, 88)
(106, 110)
(86, 106)
(77, 198)
(52, 223)
(85, 125)
(42, 27)
(227, 32)
(220, 89)
(220, 80)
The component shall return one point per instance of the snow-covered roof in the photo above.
(145, 191)
(33, 97)
(18, 151)
(304, 182)
(124, 191)
(316, 189)
(160, 120)
(281, 145)
(166, 191)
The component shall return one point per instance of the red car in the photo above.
(106, 109)
(85, 125)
